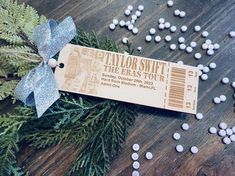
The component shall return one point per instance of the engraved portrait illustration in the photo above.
(82, 72)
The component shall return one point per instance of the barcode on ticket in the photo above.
(177, 87)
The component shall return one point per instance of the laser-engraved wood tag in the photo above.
(128, 78)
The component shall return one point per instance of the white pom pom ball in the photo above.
(52, 63)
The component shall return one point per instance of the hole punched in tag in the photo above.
(61, 65)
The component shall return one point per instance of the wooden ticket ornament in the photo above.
(128, 78)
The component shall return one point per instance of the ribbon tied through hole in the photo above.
(38, 88)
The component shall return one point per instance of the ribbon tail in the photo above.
(24, 89)
(46, 91)
(38, 88)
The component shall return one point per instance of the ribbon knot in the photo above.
(38, 88)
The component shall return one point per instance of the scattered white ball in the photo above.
(208, 41)
(161, 20)
(152, 31)
(161, 26)
(170, 3)
(130, 27)
(112, 26)
(135, 30)
(232, 34)
(177, 12)
(223, 98)
(200, 66)
(167, 25)
(225, 80)
(139, 48)
(197, 28)
(128, 23)
(210, 46)
(179, 148)
(204, 46)
(200, 73)
(148, 38)
(122, 23)
(127, 12)
(189, 49)
(133, 21)
(204, 77)
(136, 165)
(226, 140)
(182, 14)
(125, 40)
(212, 130)
(233, 128)
(135, 156)
(212, 65)
(130, 7)
(149, 156)
(184, 28)
(173, 47)
(223, 125)
(185, 126)
(222, 133)
(205, 34)
(140, 7)
(115, 21)
(138, 13)
(133, 17)
(176, 136)
(197, 55)
(229, 131)
(206, 69)
(193, 44)
(173, 29)
(136, 147)
(216, 100)
(194, 150)
(52, 63)
(233, 84)
(216, 46)
(232, 138)
(210, 52)
(168, 38)
(180, 62)
(199, 116)
(158, 39)
(181, 39)
(182, 46)
(135, 173)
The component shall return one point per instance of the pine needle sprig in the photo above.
(18, 55)
(9, 139)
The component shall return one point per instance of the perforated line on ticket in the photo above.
(128, 78)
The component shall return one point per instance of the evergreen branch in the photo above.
(25, 38)
(106, 140)
(20, 54)
(7, 88)
(8, 148)
(9, 138)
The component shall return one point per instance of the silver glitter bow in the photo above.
(39, 87)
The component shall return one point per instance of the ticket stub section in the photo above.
(128, 78)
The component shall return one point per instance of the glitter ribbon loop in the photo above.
(38, 88)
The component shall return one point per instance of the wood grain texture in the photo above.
(154, 128)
